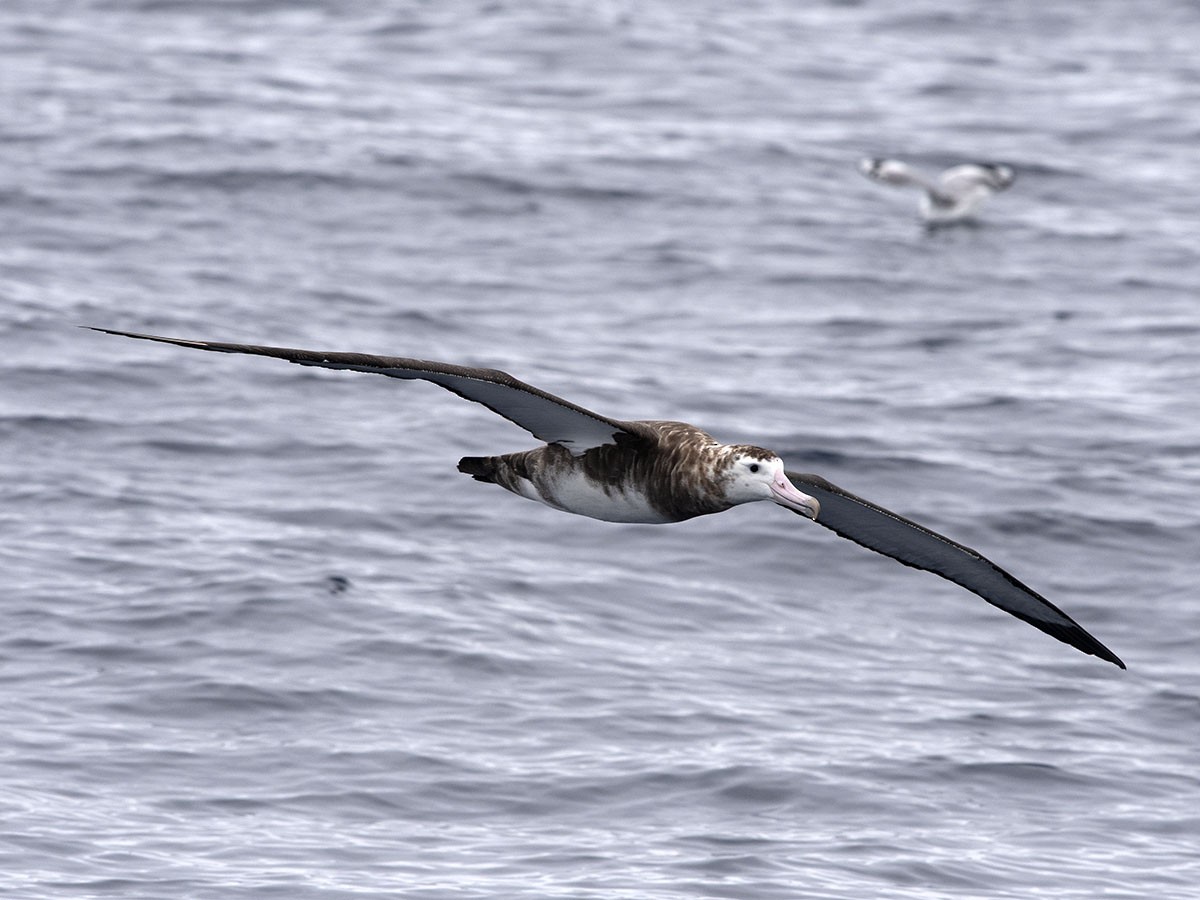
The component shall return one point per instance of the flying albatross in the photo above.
(658, 472)
(956, 194)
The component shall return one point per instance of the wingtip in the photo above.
(118, 333)
(1081, 640)
(1112, 658)
(132, 334)
(179, 342)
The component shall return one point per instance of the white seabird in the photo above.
(659, 472)
(956, 194)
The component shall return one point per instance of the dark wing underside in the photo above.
(915, 545)
(545, 416)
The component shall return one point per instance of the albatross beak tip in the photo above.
(785, 494)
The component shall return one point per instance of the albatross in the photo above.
(659, 472)
(956, 194)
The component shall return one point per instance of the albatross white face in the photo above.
(754, 477)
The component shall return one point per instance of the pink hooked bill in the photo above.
(784, 493)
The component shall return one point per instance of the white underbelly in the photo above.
(580, 495)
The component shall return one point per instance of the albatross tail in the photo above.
(481, 468)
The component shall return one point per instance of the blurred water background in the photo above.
(258, 638)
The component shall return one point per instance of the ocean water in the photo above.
(258, 637)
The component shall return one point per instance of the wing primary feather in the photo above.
(908, 542)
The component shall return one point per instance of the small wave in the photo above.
(222, 698)
(1024, 774)
(46, 425)
(229, 180)
(524, 187)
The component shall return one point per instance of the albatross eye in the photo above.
(753, 467)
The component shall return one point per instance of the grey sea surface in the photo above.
(258, 638)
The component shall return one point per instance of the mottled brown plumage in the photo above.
(680, 471)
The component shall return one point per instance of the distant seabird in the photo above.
(657, 472)
(956, 194)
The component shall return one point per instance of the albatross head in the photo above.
(757, 474)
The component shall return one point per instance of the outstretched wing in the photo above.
(545, 416)
(961, 179)
(915, 545)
